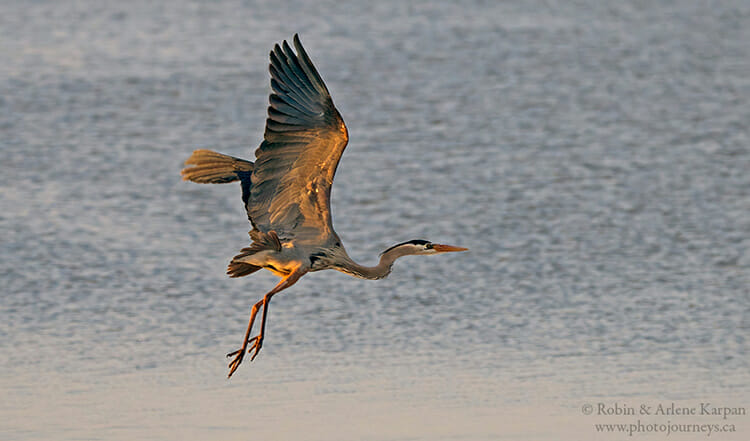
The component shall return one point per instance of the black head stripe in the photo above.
(413, 242)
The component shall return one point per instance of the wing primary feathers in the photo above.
(284, 66)
(294, 66)
(308, 66)
(278, 61)
(283, 86)
(277, 83)
(284, 118)
(281, 104)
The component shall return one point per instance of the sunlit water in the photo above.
(594, 156)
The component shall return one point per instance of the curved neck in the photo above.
(379, 271)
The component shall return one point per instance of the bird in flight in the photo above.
(287, 190)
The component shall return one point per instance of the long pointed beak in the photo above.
(447, 248)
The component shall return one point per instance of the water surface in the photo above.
(593, 156)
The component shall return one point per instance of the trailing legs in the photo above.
(257, 341)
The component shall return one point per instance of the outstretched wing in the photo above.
(303, 142)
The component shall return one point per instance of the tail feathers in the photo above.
(215, 168)
(241, 269)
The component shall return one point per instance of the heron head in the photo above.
(425, 247)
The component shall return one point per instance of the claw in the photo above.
(256, 346)
(240, 353)
(235, 363)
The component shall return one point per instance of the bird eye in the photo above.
(428, 246)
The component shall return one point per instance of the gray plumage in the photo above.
(287, 190)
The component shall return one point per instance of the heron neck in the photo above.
(379, 271)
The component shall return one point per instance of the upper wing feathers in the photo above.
(304, 139)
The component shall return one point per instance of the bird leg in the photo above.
(257, 341)
(240, 354)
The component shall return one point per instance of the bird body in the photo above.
(287, 190)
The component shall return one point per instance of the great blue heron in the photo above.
(287, 191)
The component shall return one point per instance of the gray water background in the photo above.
(593, 155)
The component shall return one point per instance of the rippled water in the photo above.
(594, 156)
